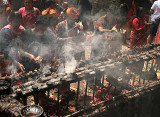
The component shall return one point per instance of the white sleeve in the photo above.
(154, 5)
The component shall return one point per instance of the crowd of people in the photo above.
(41, 29)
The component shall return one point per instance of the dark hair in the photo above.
(124, 8)
(14, 15)
(31, 0)
(139, 11)
(138, 14)
(48, 2)
(42, 20)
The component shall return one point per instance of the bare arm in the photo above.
(101, 29)
(151, 11)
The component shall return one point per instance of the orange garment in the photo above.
(73, 13)
(49, 12)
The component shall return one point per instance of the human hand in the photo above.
(33, 58)
(38, 59)
(20, 66)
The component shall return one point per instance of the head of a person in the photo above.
(51, 3)
(8, 11)
(72, 14)
(15, 19)
(140, 12)
(28, 4)
(135, 4)
(124, 8)
(42, 22)
(65, 5)
(51, 14)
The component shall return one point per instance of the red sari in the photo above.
(138, 33)
(157, 38)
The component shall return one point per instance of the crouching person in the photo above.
(9, 50)
(34, 42)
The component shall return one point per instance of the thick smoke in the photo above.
(12, 69)
(68, 53)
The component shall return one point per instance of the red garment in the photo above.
(157, 38)
(28, 19)
(138, 34)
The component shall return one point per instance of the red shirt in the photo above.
(28, 19)
(157, 38)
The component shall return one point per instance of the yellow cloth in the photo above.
(73, 13)
(49, 12)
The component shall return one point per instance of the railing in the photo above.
(101, 70)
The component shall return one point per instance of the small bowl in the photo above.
(32, 111)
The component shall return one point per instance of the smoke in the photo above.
(61, 68)
(66, 50)
(46, 69)
(12, 69)
(70, 65)
(44, 51)
(13, 55)
(68, 53)
(70, 49)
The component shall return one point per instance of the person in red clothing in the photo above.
(29, 14)
(157, 37)
(138, 36)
